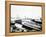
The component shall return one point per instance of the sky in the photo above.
(33, 12)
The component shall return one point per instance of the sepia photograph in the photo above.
(25, 19)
